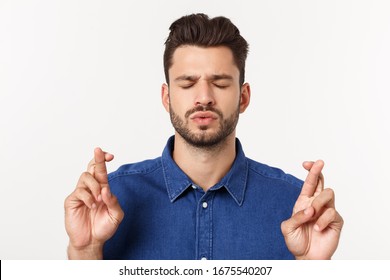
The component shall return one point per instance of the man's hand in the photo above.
(92, 213)
(313, 231)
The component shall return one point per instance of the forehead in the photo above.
(194, 60)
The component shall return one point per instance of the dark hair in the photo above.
(200, 30)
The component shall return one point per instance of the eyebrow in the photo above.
(193, 78)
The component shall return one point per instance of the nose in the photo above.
(204, 95)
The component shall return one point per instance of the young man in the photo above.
(202, 199)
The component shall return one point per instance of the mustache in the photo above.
(202, 108)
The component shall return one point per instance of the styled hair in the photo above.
(199, 30)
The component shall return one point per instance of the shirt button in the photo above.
(194, 187)
(203, 258)
(204, 205)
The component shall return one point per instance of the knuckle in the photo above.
(78, 191)
(81, 192)
(330, 191)
(89, 200)
(67, 200)
(85, 174)
(284, 227)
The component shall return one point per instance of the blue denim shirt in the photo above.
(168, 217)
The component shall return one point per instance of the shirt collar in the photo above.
(177, 181)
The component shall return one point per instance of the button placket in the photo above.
(205, 227)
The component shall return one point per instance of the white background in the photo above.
(79, 74)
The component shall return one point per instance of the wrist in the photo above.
(90, 252)
(306, 258)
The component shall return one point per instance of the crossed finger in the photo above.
(92, 164)
(314, 183)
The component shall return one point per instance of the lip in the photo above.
(203, 118)
(204, 115)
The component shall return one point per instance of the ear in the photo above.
(245, 97)
(165, 96)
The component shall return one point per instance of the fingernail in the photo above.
(93, 206)
(316, 227)
(306, 211)
(100, 197)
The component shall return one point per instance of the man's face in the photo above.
(204, 94)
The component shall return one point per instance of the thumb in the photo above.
(296, 220)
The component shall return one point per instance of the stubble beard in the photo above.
(204, 138)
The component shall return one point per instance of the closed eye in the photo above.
(221, 86)
(186, 86)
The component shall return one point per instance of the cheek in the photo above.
(230, 105)
(179, 105)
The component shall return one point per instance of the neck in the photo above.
(205, 166)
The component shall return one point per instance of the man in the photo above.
(202, 199)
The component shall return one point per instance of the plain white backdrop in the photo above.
(79, 74)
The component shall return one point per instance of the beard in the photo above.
(204, 138)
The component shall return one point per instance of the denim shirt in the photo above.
(168, 217)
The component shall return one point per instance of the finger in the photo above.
(325, 199)
(108, 157)
(100, 170)
(114, 209)
(307, 165)
(297, 220)
(314, 182)
(89, 182)
(91, 165)
(330, 218)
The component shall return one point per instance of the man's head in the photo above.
(205, 91)
(199, 30)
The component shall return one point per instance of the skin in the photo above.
(204, 77)
(313, 231)
(92, 213)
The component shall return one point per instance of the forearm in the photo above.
(91, 252)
